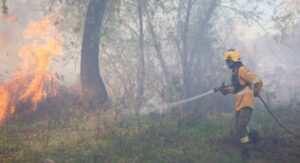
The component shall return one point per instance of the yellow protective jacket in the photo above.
(250, 83)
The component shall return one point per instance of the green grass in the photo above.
(152, 138)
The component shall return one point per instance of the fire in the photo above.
(9, 18)
(28, 82)
(1, 41)
(3, 102)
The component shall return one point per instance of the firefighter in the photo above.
(245, 85)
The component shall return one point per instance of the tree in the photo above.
(4, 7)
(182, 42)
(286, 19)
(160, 56)
(92, 84)
(139, 55)
(141, 66)
(194, 44)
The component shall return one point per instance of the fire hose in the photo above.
(276, 119)
(218, 89)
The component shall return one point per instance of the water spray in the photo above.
(173, 104)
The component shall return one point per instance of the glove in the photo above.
(256, 93)
(257, 88)
(224, 91)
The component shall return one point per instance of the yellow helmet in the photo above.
(232, 54)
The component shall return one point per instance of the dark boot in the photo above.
(254, 136)
(245, 155)
(254, 139)
(245, 152)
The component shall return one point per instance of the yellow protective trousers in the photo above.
(242, 119)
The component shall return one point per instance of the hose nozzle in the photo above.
(219, 88)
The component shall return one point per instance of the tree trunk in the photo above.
(158, 49)
(4, 7)
(141, 66)
(94, 90)
(193, 52)
(185, 53)
(200, 52)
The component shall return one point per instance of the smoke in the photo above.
(25, 10)
(278, 65)
(12, 25)
(275, 63)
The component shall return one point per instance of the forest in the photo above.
(148, 80)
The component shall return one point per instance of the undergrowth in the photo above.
(85, 136)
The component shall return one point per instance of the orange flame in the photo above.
(1, 41)
(9, 18)
(43, 42)
(3, 102)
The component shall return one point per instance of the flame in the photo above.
(28, 84)
(1, 41)
(3, 102)
(9, 18)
